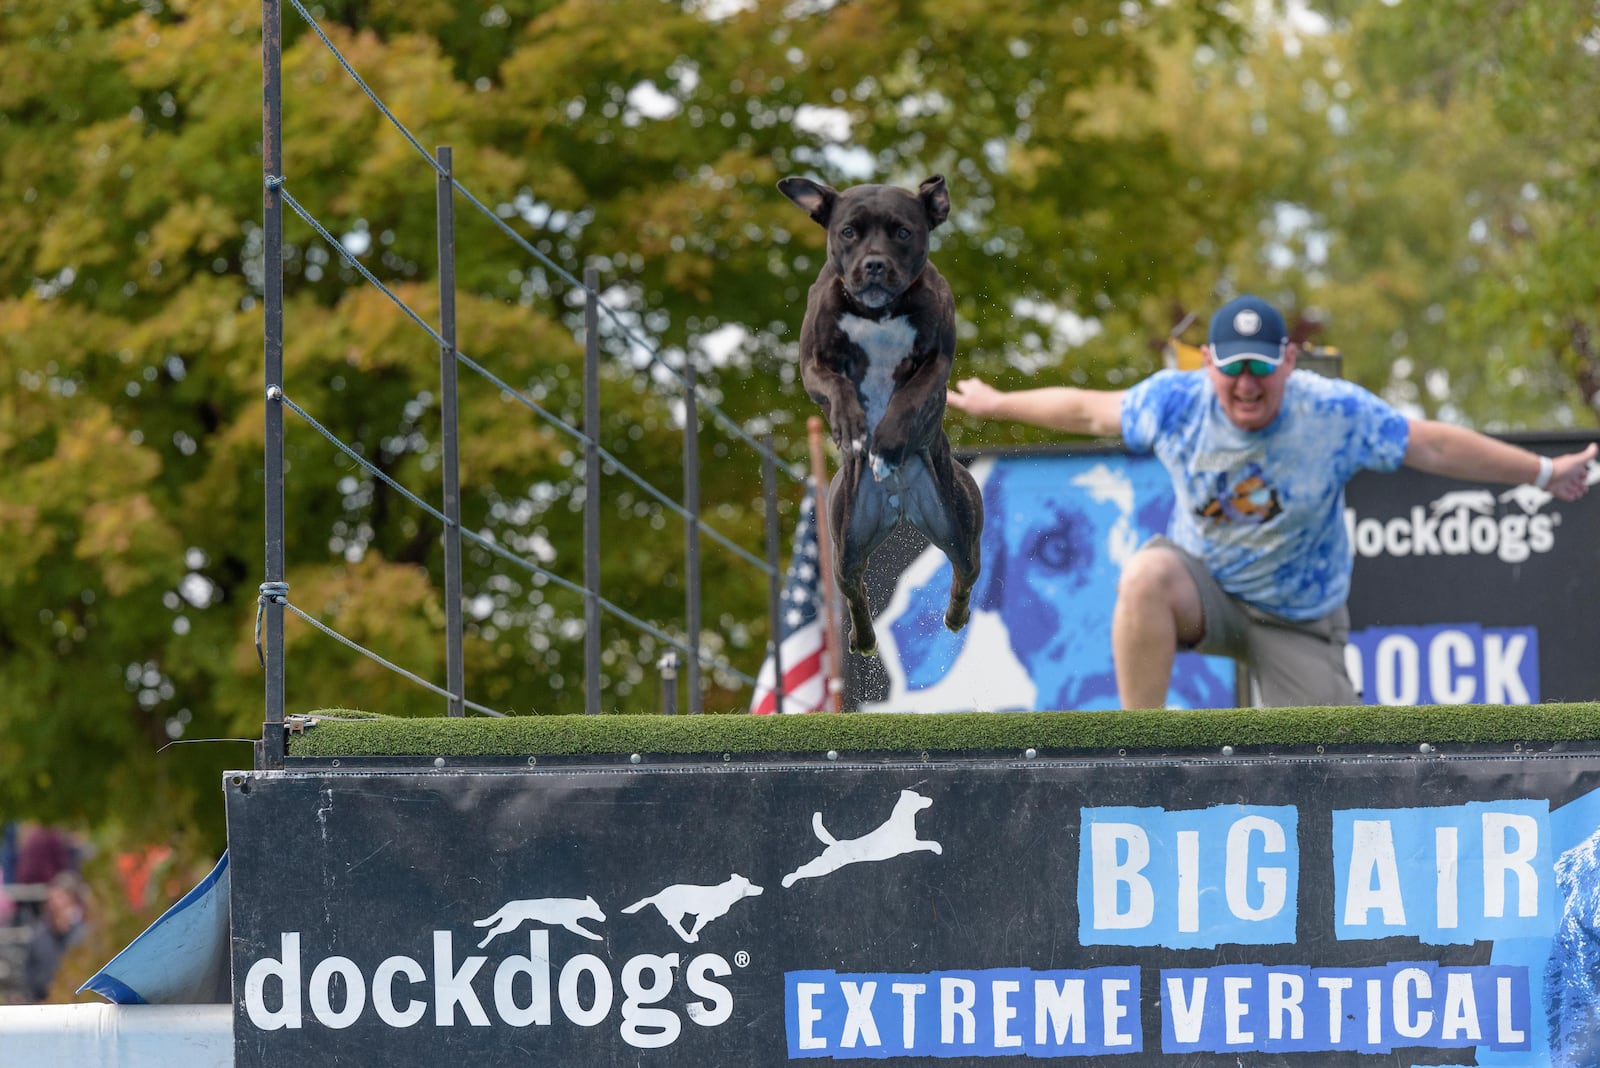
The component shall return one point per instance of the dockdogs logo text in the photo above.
(523, 982)
(1511, 527)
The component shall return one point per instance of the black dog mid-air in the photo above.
(876, 349)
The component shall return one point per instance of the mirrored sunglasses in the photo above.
(1261, 368)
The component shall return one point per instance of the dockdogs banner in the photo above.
(1462, 593)
(1420, 910)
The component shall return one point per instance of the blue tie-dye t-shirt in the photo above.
(1265, 508)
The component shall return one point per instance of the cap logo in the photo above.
(1247, 322)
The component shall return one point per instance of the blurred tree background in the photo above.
(1416, 182)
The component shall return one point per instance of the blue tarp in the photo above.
(181, 959)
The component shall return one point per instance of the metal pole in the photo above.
(668, 667)
(769, 496)
(270, 754)
(455, 670)
(591, 492)
(691, 505)
(830, 598)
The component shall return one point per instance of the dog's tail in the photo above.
(637, 905)
(821, 831)
(487, 920)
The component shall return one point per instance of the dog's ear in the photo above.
(936, 199)
(814, 198)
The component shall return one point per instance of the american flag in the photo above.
(805, 667)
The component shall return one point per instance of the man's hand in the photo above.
(1570, 475)
(975, 397)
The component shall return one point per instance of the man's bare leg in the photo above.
(1158, 607)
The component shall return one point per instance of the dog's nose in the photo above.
(875, 266)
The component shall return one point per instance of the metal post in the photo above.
(831, 636)
(591, 492)
(668, 667)
(455, 670)
(691, 505)
(769, 496)
(270, 754)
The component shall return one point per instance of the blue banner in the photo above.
(1188, 879)
(997, 1012)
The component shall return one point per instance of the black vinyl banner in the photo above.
(1462, 593)
(1422, 910)
(1466, 593)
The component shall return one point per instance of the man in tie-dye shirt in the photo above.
(1256, 562)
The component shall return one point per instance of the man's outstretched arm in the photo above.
(1456, 452)
(1096, 412)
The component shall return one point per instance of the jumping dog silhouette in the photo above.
(896, 836)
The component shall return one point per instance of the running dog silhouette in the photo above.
(896, 836)
(550, 911)
(1528, 497)
(704, 903)
(1480, 501)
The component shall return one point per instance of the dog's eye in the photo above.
(905, 233)
(1060, 548)
(847, 232)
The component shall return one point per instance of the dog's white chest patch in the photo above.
(886, 342)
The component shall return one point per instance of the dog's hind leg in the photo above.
(860, 524)
(953, 520)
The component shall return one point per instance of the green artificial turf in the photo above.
(345, 733)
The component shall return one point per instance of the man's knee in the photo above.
(1155, 579)
(1150, 574)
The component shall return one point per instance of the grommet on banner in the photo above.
(1030, 752)
(1227, 750)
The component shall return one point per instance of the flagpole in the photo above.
(834, 684)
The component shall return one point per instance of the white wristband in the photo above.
(1545, 467)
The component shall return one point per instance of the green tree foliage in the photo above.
(1432, 198)
(1108, 160)
(1518, 94)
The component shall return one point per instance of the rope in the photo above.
(531, 249)
(494, 547)
(275, 593)
(577, 435)
(397, 669)
(278, 593)
(632, 476)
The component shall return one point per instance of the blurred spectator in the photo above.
(60, 924)
(141, 871)
(46, 852)
(8, 851)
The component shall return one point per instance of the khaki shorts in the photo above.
(1291, 663)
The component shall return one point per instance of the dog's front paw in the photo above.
(850, 435)
(881, 468)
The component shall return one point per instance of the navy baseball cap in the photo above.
(1247, 328)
